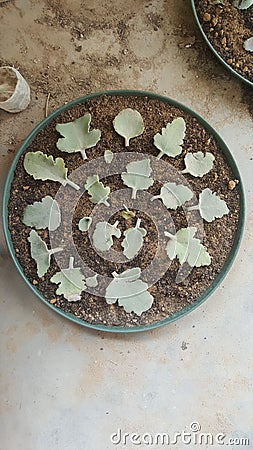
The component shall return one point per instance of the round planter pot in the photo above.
(14, 90)
(226, 155)
(218, 56)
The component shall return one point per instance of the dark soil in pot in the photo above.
(169, 296)
(227, 28)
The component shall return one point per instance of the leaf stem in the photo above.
(127, 141)
(134, 191)
(138, 223)
(71, 262)
(72, 184)
(193, 208)
(171, 236)
(155, 197)
(104, 201)
(83, 153)
(55, 250)
(160, 155)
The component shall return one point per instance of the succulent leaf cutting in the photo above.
(187, 248)
(174, 195)
(133, 240)
(129, 291)
(41, 253)
(210, 206)
(128, 124)
(103, 235)
(43, 167)
(171, 140)
(84, 223)
(44, 214)
(77, 136)
(97, 191)
(71, 282)
(198, 164)
(137, 176)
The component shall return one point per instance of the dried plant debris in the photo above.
(127, 213)
(171, 140)
(174, 195)
(44, 214)
(43, 167)
(129, 291)
(77, 136)
(137, 176)
(128, 124)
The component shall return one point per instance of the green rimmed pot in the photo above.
(218, 56)
(237, 236)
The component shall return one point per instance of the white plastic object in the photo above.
(14, 90)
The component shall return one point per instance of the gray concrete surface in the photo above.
(64, 387)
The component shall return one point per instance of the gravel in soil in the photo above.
(227, 28)
(169, 296)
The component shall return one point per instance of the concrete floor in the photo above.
(64, 387)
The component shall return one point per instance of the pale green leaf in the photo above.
(242, 4)
(98, 193)
(133, 240)
(71, 282)
(248, 44)
(198, 164)
(137, 176)
(174, 195)
(129, 291)
(187, 248)
(43, 167)
(170, 141)
(138, 303)
(129, 274)
(77, 136)
(129, 124)
(84, 223)
(44, 214)
(108, 156)
(103, 235)
(211, 206)
(92, 281)
(40, 253)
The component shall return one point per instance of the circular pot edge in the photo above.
(228, 263)
(218, 56)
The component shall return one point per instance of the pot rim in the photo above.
(231, 256)
(225, 64)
